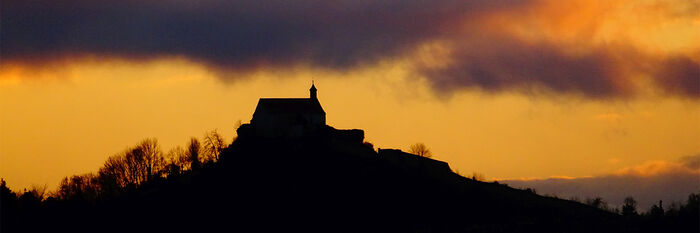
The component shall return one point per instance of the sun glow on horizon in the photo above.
(508, 89)
(70, 126)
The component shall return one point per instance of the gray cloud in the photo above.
(673, 184)
(691, 161)
(680, 75)
(238, 34)
(502, 63)
(340, 35)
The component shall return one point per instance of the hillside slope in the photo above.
(325, 182)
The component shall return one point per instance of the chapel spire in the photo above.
(312, 91)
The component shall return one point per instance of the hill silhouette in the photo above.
(325, 181)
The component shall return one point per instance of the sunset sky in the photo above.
(512, 89)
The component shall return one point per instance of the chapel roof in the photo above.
(289, 106)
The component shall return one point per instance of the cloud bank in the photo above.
(647, 183)
(335, 34)
(500, 45)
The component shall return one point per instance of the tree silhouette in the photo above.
(421, 150)
(177, 161)
(133, 158)
(39, 192)
(657, 210)
(133, 166)
(114, 173)
(213, 145)
(5, 192)
(692, 206)
(597, 202)
(84, 187)
(152, 160)
(629, 207)
(193, 149)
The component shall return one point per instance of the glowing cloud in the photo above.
(588, 48)
(648, 182)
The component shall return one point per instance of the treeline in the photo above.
(137, 165)
(679, 216)
(630, 209)
(676, 212)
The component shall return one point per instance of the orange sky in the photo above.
(64, 114)
(58, 126)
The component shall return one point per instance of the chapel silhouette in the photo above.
(288, 117)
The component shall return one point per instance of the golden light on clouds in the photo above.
(656, 167)
(655, 26)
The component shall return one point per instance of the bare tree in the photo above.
(597, 202)
(213, 145)
(82, 187)
(421, 150)
(114, 173)
(177, 160)
(133, 166)
(152, 161)
(39, 192)
(629, 207)
(193, 149)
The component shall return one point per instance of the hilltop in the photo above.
(327, 181)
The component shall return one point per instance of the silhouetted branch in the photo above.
(421, 150)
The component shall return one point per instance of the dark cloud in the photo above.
(648, 183)
(680, 75)
(339, 35)
(501, 63)
(647, 191)
(335, 34)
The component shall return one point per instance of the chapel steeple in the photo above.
(312, 91)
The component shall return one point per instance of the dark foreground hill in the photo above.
(326, 182)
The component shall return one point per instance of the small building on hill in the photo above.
(288, 117)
